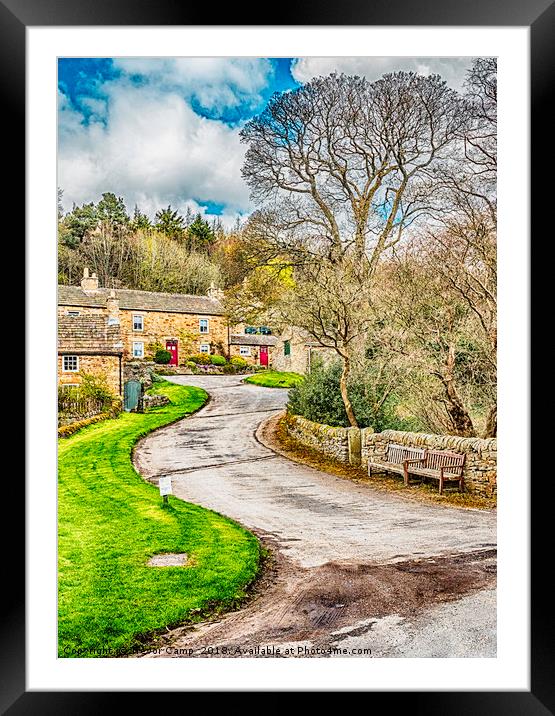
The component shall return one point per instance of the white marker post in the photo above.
(165, 485)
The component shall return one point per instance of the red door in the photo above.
(171, 346)
(264, 355)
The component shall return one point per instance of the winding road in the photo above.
(355, 571)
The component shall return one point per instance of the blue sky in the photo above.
(161, 131)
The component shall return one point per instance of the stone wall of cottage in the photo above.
(480, 470)
(160, 326)
(102, 366)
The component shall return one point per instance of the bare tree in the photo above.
(340, 167)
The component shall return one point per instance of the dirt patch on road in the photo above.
(292, 604)
(272, 434)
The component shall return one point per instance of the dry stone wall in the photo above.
(354, 446)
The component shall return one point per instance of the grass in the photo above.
(274, 379)
(427, 492)
(110, 521)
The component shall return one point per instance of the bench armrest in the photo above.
(414, 460)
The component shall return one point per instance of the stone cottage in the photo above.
(89, 344)
(295, 350)
(182, 324)
(255, 349)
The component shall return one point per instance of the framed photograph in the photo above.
(263, 268)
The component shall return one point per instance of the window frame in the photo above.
(142, 328)
(138, 343)
(70, 370)
(205, 345)
(245, 351)
(200, 322)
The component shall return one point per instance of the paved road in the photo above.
(382, 556)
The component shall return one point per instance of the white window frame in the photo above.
(205, 347)
(245, 350)
(200, 326)
(138, 343)
(141, 329)
(65, 369)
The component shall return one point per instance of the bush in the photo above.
(200, 358)
(162, 356)
(229, 368)
(191, 365)
(217, 360)
(318, 398)
(239, 362)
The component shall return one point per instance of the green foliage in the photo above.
(199, 235)
(217, 360)
(95, 386)
(162, 356)
(200, 359)
(170, 223)
(229, 369)
(318, 398)
(239, 362)
(111, 210)
(111, 522)
(191, 365)
(79, 222)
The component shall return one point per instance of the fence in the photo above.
(73, 406)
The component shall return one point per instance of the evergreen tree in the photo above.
(170, 223)
(200, 235)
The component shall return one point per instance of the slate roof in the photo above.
(252, 340)
(86, 335)
(141, 300)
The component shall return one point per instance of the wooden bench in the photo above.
(438, 465)
(395, 458)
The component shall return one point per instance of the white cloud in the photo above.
(152, 149)
(452, 69)
(215, 83)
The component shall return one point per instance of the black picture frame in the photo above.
(539, 17)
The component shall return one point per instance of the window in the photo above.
(286, 348)
(138, 323)
(73, 313)
(205, 348)
(113, 321)
(203, 325)
(245, 350)
(138, 350)
(70, 364)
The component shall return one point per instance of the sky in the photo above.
(165, 131)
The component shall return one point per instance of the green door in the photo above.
(131, 395)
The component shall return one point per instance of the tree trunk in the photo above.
(491, 423)
(344, 394)
(460, 419)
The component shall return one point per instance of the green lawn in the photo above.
(274, 379)
(110, 522)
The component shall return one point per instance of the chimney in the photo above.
(215, 293)
(89, 283)
(112, 306)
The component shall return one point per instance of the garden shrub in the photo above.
(200, 358)
(191, 365)
(162, 356)
(229, 368)
(239, 362)
(318, 398)
(217, 360)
